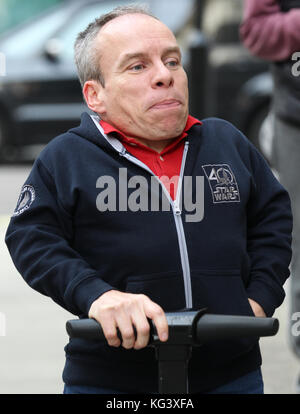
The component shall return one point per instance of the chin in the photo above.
(172, 131)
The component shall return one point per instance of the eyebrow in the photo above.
(138, 55)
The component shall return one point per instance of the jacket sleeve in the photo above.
(269, 229)
(39, 239)
(268, 32)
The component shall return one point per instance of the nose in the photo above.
(162, 76)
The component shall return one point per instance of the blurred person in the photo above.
(271, 30)
(82, 235)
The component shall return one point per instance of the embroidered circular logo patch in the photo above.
(222, 182)
(25, 200)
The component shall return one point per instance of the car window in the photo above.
(15, 12)
(79, 21)
(173, 16)
(62, 25)
(29, 39)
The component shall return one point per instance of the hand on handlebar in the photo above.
(121, 310)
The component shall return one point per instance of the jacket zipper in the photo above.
(181, 236)
(116, 144)
(178, 221)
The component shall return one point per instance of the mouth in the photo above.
(166, 104)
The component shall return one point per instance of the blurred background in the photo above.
(40, 97)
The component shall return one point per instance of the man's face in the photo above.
(146, 93)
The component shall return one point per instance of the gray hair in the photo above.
(86, 54)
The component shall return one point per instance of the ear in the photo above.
(93, 92)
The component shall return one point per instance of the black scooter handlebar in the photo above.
(186, 329)
(194, 328)
(212, 327)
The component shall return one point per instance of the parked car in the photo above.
(40, 96)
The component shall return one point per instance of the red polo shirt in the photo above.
(166, 163)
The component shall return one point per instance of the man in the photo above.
(96, 236)
(271, 31)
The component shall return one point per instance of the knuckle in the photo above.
(111, 336)
(127, 345)
(112, 307)
(111, 333)
(139, 346)
(157, 310)
(112, 339)
(123, 305)
(115, 343)
(127, 335)
(144, 330)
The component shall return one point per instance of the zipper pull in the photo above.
(186, 146)
(177, 211)
(123, 152)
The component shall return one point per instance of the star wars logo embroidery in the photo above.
(222, 183)
(25, 200)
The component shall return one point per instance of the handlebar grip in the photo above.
(88, 329)
(85, 328)
(211, 327)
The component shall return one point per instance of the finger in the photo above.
(156, 313)
(109, 327)
(143, 331)
(124, 324)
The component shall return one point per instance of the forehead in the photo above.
(133, 30)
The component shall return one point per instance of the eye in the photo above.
(137, 68)
(172, 63)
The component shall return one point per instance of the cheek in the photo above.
(133, 101)
(124, 103)
(184, 83)
(127, 93)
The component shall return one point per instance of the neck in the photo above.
(157, 146)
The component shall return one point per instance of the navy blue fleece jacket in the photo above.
(66, 246)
